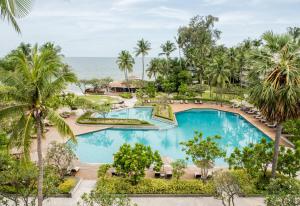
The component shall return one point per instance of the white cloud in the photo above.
(171, 13)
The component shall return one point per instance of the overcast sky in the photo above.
(104, 27)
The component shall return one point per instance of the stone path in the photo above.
(194, 201)
(84, 187)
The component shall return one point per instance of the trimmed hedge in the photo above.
(67, 185)
(126, 95)
(118, 185)
(87, 119)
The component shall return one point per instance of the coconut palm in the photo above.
(32, 93)
(276, 86)
(294, 32)
(154, 68)
(167, 49)
(125, 62)
(219, 74)
(12, 9)
(143, 47)
(178, 41)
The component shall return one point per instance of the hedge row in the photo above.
(118, 185)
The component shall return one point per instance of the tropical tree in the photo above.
(142, 48)
(125, 62)
(132, 161)
(154, 68)
(197, 41)
(203, 151)
(220, 74)
(31, 90)
(178, 168)
(167, 49)
(12, 9)
(276, 83)
(294, 32)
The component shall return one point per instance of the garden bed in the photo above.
(88, 119)
(182, 187)
(164, 112)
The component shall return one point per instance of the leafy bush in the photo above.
(256, 158)
(178, 168)
(67, 185)
(283, 192)
(246, 182)
(126, 95)
(103, 169)
(132, 161)
(60, 156)
(103, 197)
(292, 127)
(119, 185)
(227, 187)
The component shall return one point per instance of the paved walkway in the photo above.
(85, 187)
(194, 201)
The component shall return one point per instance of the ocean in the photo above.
(100, 67)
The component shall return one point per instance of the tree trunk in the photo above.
(143, 63)
(40, 160)
(276, 149)
(179, 57)
(126, 79)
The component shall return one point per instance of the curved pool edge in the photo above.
(283, 138)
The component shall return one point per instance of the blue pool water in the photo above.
(99, 147)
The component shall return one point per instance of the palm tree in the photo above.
(219, 74)
(167, 49)
(154, 68)
(276, 83)
(294, 32)
(32, 93)
(142, 48)
(125, 62)
(12, 9)
(178, 41)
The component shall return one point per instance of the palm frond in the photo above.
(62, 127)
(11, 110)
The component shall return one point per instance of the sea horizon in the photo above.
(101, 67)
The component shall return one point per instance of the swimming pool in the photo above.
(99, 147)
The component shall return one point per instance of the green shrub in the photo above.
(67, 185)
(246, 182)
(118, 185)
(126, 95)
(283, 192)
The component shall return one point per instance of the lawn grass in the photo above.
(101, 98)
